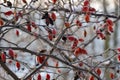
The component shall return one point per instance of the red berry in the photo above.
(86, 3)
(87, 18)
(28, 27)
(118, 49)
(54, 1)
(18, 65)
(110, 28)
(40, 59)
(112, 76)
(98, 71)
(78, 23)
(81, 40)
(118, 57)
(1, 22)
(67, 24)
(24, 1)
(39, 77)
(53, 16)
(3, 57)
(109, 22)
(34, 25)
(85, 9)
(47, 77)
(71, 38)
(8, 13)
(91, 78)
(81, 64)
(17, 33)
(11, 53)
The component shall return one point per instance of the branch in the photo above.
(94, 14)
(54, 47)
(52, 56)
(8, 71)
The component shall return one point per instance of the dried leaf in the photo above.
(24, 1)
(43, 51)
(64, 38)
(49, 21)
(85, 33)
(9, 4)
(5, 1)
(45, 16)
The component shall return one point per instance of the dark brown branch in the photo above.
(52, 56)
(91, 40)
(51, 51)
(94, 14)
(8, 71)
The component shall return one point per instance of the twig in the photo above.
(8, 71)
